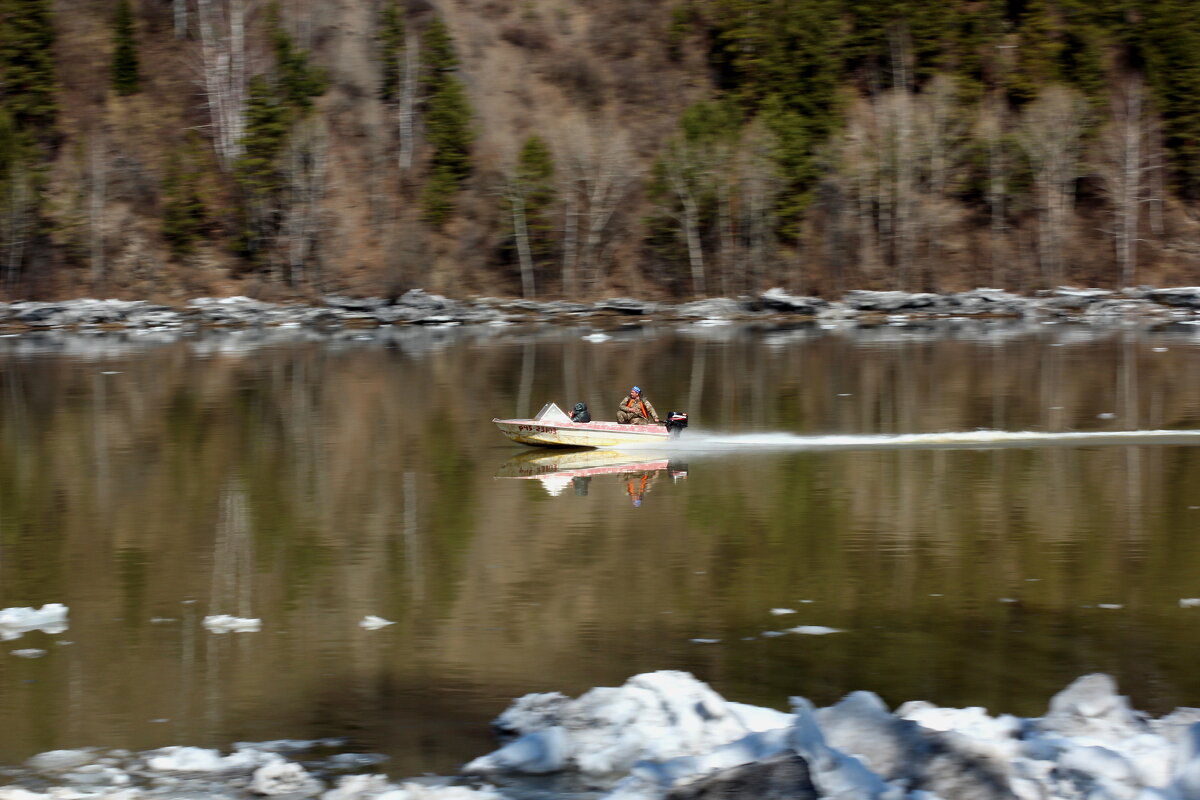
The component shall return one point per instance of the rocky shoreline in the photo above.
(418, 307)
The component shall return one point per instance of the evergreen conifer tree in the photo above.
(1169, 45)
(126, 75)
(535, 177)
(27, 64)
(184, 216)
(257, 169)
(447, 125)
(298, 80)
(391, 42)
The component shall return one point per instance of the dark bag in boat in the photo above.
(581, 413)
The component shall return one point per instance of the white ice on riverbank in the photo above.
(14, 622)
(668, 736)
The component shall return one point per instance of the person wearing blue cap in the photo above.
(636, 409)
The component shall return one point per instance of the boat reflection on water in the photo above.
(560, 470)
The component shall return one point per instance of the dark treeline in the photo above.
(689, 148)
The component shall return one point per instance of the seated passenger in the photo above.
(581, 413)
(636, 409)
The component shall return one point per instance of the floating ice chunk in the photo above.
(199, 759)
(284, 777)
(51, 618)
(597, 337)
(225, 623)
(771, 634)
(1110, 606)
(705, 641)
(813, 630)
(60, 760)
(371, 622)
(1189, 602)
(31, 652)
(779, 612)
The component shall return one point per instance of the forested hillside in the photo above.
(578, 148)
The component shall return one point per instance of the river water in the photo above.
(310, 480)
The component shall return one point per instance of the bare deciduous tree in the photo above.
(598, 169)
(992, 128)
(1050, 134)
(1128, 160)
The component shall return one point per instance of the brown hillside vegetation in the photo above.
(917, 184)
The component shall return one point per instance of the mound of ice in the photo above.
(371, 622)
(225, 623)
(51, 618)
(658, 715)
(666, 735)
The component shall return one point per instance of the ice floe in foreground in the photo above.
(666, 735)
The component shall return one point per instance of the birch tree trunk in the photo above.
(516, 201)
(406, 108)
(1127, 168)
(691, 229)
(222, 26)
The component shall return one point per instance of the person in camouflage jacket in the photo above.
(636, 409)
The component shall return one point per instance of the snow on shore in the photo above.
(667, 735)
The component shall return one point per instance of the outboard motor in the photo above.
(676, 422)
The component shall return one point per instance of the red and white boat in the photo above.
(551, 427)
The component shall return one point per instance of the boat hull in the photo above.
(542, 433)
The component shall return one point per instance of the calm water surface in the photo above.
(312, 480)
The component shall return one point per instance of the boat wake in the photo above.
(700, 441)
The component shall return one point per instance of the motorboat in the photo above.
(551, 427)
